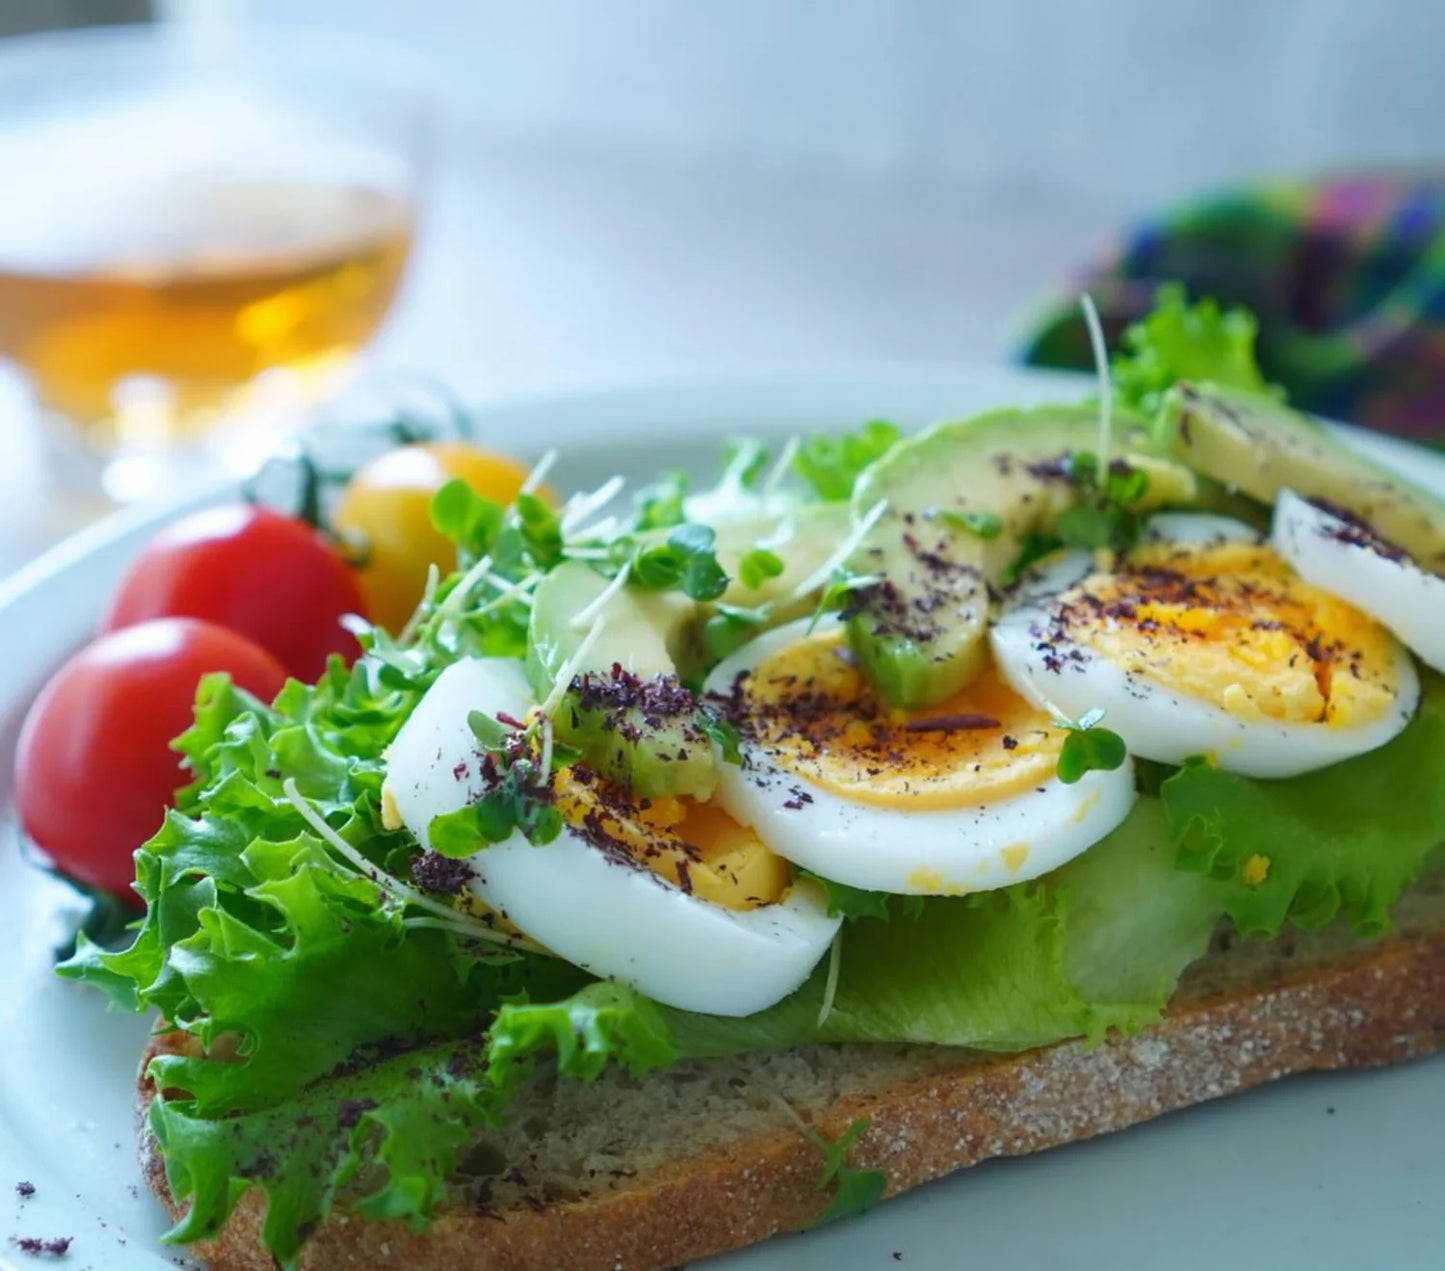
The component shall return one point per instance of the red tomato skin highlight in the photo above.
(94, 772)
(272, 578)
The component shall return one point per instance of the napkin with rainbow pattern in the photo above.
(1345, 274)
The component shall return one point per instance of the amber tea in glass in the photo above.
(224, 280)
(194, 238)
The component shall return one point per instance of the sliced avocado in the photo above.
(627, 711)
(1261, 447)
(802, 539)
(920, 634)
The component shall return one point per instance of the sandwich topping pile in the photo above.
(972, 737)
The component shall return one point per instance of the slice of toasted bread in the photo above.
(637, 1174)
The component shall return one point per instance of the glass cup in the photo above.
(197, 236)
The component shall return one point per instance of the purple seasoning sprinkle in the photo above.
(962, 722)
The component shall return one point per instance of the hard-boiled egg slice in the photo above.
(1200, 529)
(1203, 641)
(620, 892)
(958, 798)
(1339, 554)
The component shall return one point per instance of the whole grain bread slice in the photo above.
(638, 1174)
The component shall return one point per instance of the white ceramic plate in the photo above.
(1323, 1171)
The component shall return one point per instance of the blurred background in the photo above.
(643, 190)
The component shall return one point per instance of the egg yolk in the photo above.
(696, 846)
(815, 715)
(1232, 624)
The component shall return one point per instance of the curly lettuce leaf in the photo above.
(1340, 842)
(295, 970)
(300, 1001)
(391, 1129)
(1095, 945)
(258, 937)
(301, 1151)
(603, 1023)
(1179, 341)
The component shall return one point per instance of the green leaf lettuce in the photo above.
(1180, 341)
(410, 1114)
(1099, 943)
(1342, 841)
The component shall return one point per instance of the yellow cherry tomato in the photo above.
(386, 509)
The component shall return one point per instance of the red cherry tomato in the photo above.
(94, 771)
(269, 577)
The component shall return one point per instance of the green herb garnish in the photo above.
(835, 594)
(743, 463)
(721, 733)
(729, 628)
(1089, 748)
(686, 561)
(858, 902)
(518, 797)
(757, 566)
(465, 517)
(1105, 517)
(1033, 547)
(541, 530)
(831, 464)
(660, 505)
(981, 524)
(855, 1191)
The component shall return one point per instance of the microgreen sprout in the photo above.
(587, 615)
(721, 733)
(1111, 487)
(570, 668)
(1088, 748)
(980, 524)
(580, 507)
(841, 585)
(1101, 370)
(441, 915)
(428, 598)
(830, 985)
(854, 1190)
(533, 481)
(831, 464)
(840, 555)
(660, 504)
(757, 566)
(780, 469)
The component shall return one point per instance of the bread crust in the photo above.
(1381, 1008)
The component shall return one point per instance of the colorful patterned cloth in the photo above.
(1346, 276)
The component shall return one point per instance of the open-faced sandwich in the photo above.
(695, 870)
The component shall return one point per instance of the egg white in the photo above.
(1398, 593)
(1155, 721)
(610, 918)
(1200, 528)
(1060, 570)
(909, 851)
